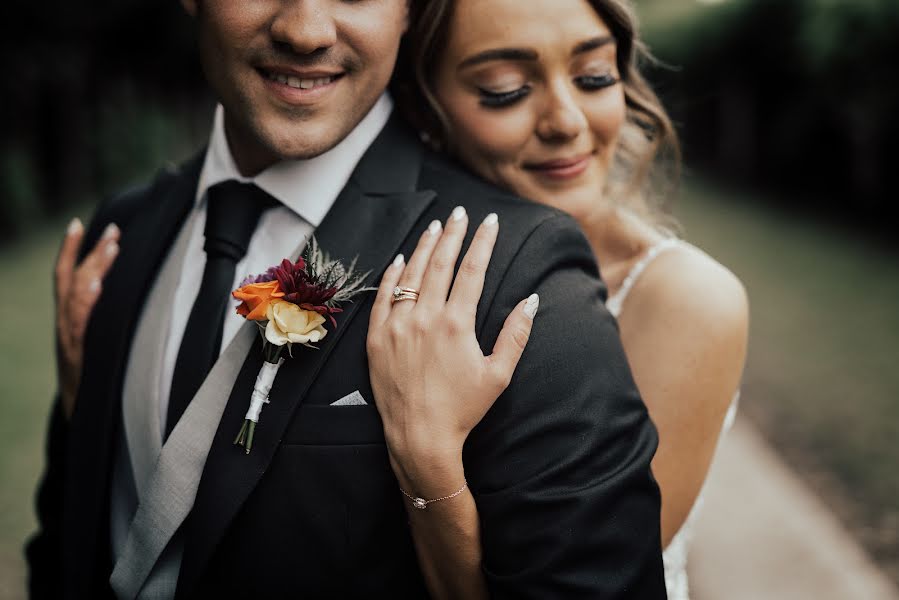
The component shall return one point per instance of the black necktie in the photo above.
(233, 211)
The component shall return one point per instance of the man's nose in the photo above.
(305, 25)
(562, 118)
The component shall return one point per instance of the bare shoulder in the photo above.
(689, 289)
(686, 324)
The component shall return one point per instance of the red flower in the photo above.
(304, 291)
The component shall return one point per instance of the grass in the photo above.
(821, 378)
(27, 382)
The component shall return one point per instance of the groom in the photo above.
(145, 495)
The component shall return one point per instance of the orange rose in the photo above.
(255, 299)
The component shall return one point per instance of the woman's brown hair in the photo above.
(648, 156)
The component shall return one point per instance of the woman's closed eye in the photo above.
(502, 99)
(592, 83)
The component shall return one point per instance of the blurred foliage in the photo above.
(800, 96)
(89, 89)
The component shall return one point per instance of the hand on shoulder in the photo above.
(431, 381)
(77, 287)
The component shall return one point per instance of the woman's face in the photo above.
(531, 89)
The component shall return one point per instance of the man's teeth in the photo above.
(296, 82)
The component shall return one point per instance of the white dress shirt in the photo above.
(306, 188)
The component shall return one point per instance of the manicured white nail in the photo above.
(74, 227)
(399, 260)
(94, 286)
(434, 227)
(112, 249)
(531, 305)
(491, 219)
(110, 231)
(458, 213)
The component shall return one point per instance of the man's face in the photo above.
(295, 76)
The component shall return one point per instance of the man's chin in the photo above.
(303, 143)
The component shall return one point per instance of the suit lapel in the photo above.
(146, 239)
(370, 219)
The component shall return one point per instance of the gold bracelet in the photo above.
(422, 504)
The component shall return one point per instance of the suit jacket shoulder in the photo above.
(123, 207)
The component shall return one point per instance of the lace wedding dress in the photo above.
(675, 555)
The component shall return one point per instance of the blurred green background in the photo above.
(789, 122)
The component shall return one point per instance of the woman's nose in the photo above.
(306, 26)
(562, 118)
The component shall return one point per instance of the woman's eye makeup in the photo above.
(590, 83)
(490, 99)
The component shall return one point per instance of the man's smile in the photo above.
(299, 86)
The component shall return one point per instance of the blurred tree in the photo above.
(64, 64)
(797, 95)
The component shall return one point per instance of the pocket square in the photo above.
(354, 399)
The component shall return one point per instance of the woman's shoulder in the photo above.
(686, 293)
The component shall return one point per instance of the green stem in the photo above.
(250, 433)
(241, 436)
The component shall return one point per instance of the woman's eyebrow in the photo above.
(528, 54)
(592, 44)
(499, 54)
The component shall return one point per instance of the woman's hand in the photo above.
(432, 384)
(76, 291)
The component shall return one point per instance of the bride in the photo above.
(542, 97)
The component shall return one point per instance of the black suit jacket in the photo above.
(559, 466)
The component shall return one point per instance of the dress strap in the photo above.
(616, 300)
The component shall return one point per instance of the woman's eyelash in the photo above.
(503, 99)
(595, 82)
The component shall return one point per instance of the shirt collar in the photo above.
(308, 187)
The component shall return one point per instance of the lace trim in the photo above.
(616, 300)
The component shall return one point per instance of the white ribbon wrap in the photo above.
(264, 381)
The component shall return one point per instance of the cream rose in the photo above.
(287, 322)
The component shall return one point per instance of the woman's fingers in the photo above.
(380, 310)
(512, 340)
(68, 254)
(469, 281)
(78, 287)
(439, 275)
(415, 269)
(100, 258)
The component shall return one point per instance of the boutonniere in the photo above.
(291, 303)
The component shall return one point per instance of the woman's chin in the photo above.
(578, 196)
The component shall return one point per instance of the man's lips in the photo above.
(299, 79)
(561, 168)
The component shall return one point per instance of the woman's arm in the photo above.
(447, 533)
(432, 385)
(684, 331)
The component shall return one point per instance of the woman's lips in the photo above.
(564, 168)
